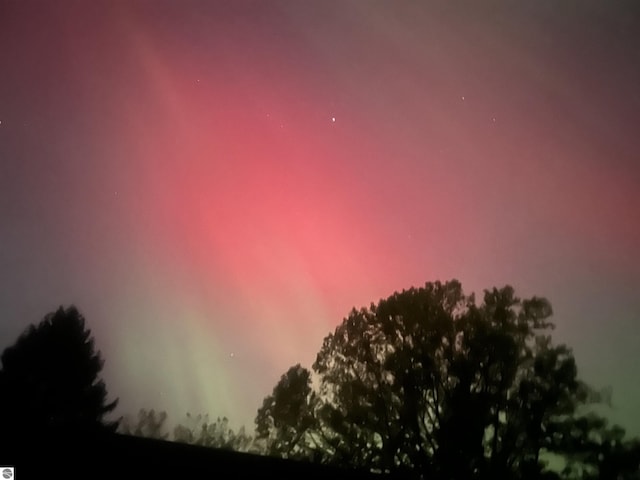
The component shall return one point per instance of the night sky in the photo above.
(216, 184)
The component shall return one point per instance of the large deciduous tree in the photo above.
(430, 383)
(49, 382)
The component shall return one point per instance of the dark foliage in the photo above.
(49, 382)
(286, 415)
(428, 384)
(200, 430)
(148, 424)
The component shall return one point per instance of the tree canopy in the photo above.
(286, 415)
(49, 382)
(431, 384)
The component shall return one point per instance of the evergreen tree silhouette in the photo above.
(49, 382)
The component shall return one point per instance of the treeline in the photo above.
(196, 430)
(427, 383)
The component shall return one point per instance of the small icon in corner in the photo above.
(7, 473)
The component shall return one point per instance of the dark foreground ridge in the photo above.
(113, 455)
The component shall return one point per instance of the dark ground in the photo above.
(114, 456)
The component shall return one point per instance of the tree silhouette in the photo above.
(214, 434)
(195, 430)
(149, 424)
(428, 383)
(49, 382)
(286, 415)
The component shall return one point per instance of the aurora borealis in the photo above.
(216, 184)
